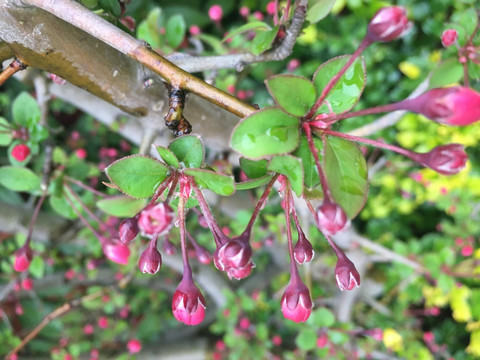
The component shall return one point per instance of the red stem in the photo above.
(262, 201)
(333, 81)
(85, 207)
(410, 154)
(187, 270)
(81, 217)
(314, 151)
(86, 187)
(160, 190)
(293, 265)
(348, 115)
(34, 219)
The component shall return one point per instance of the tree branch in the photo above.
(90, 23)
(238, 61)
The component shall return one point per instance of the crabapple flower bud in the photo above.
(23, 257)
(215, 13)
(20, 152)
(115, 251)
(203, 255)
(156, 219)
(331, 218)
(128, 229)
(457, 105)
(303, 250)
(151, 260)
(449, 36)
(388, 24)
(188, 304)
(346, 274)
(168, 247)
(134, 346)
(445, 159)
(296, 301)
(235, 257)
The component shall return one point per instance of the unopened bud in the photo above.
(115, 251)
(449, 37)
(346, 274)
(296, 301)
(20, 152)
(23, 257)
(456, 106)
(388, 24)
(331, 218)
(188, 304)
(445, 159)
(128, 229)
(151, 260)
(303, 250)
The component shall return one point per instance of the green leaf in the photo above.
(322, 317)
(292, 168)
(137, 176)
(306, 339)
(62, 207)
(311, 177)
(448, 72)
(252, 184)
(255, 25)
(19, 178)
(318, 11)
(168, 156)
(37, 267)
(121, 206)
(254, 169)
(112, 6)
(346, 171)
(25, 110)
(218, 183)
(189, 150)
(175, 30)
(149, 29)
(6, 138)
(263, 41)
(346, 93)
(265, 132)
(294, 94)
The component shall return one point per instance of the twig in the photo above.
(62, 310)
(87, 21)
(14, 67)
(237, 61)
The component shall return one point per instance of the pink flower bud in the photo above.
(151, 259)
(244, 11)
(449, 36)
(271, 8)
(27, 284)
(445, 159)
(102, 322)
(188, 304)
(346, 274)
(376, 333)
(457, 105)
(20, 152)
(303, 250)
(296, 301)
(235, 257)
(388, 24)
(23, 257)
(134, 346)
(81, 153)
(215, 13)
(116, 251)
(156, 219)
(293, 65)
(88, 329)
(203, 255)
(194, 30)
(168, 247)
(331, 218)
(128, 229)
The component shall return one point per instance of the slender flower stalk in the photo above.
(334, 80)
(81, 217)
(84, 186)
(161, 189)
(313, 149)
(82, 204)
